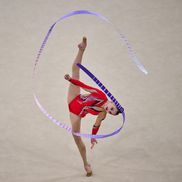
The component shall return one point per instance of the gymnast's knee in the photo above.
(74, 67)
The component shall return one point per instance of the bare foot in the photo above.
(83, 44)
(88, 169)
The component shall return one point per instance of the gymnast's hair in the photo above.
(118, 112)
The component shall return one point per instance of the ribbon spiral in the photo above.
(131, 53)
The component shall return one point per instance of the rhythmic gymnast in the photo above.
(95, 103)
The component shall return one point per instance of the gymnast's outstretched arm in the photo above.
(83, 86)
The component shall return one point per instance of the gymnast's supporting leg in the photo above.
(76, 122)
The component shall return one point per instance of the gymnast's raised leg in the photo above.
(73, 91)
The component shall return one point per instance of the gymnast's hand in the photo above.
(93, 142)
(67, 77)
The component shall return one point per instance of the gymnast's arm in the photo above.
(101, 116)
(83, 86)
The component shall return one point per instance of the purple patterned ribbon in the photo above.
(131, 53)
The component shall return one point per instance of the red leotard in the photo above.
(81, 105)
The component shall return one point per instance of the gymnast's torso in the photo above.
(81, 105)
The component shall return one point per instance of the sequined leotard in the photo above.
(82, 105)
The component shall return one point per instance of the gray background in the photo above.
(33, 149)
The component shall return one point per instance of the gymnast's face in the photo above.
(111, 108)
